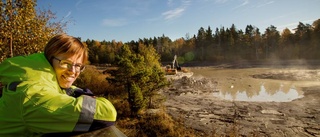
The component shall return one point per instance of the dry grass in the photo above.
(157, 124)
(94, 80)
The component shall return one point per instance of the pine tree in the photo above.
(140, 73)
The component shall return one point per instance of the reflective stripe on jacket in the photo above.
(32, 102)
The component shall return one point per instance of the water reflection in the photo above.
(258, 91)
(239, 85)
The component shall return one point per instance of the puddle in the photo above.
(266, 93)
(239, 85)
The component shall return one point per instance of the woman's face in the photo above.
(66, 68)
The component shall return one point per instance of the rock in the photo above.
(272, 112)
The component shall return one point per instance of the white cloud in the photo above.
(114, 22)
(68, 14)
(177, 12)
(186, 2)
(78, 3)
(244, 3)
(171, 14)
(264, 4)
(293, 25)
(289, 26)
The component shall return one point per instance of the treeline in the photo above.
(224, 45)
(25, 30)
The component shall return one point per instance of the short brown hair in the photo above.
(65, 44)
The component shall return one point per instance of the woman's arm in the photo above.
(48, 111)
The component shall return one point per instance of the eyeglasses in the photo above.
(68, 65)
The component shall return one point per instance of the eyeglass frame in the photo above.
(70, 66)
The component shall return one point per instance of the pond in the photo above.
(264, 94)
(241, 85)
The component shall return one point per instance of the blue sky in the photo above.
(126, 20)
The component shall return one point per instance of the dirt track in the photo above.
(191, 100)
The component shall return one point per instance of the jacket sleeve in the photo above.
(47, 111)
(76, 92)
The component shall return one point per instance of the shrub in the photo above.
(94, 80)
(122, 107)
(161, 124)
(158, 124)
(136, 100)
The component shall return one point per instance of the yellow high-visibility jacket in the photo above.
(33, 104)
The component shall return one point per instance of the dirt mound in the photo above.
(193, 85)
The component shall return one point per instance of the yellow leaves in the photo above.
(27, 29)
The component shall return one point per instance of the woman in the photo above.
(38, 96)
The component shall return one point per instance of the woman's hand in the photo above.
(78, 92)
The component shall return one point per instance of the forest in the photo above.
(224, 45)
(26, 30)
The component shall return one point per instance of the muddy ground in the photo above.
(191, 100)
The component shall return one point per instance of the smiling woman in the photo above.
(39, 98)
(63, 52)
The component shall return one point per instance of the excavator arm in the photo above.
(175, 63)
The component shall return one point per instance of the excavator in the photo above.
(172, 70)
